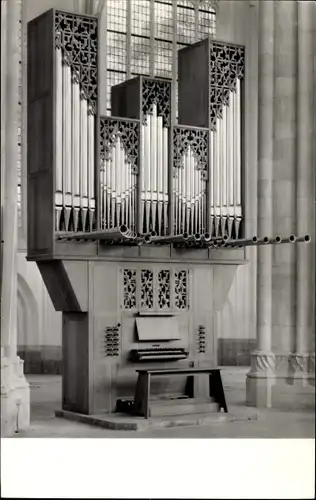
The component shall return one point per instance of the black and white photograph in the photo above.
(158, 262)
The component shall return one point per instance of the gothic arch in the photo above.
(228, 318)
(28, 315)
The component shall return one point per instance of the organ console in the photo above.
(124, 211)
(158, 354)
(162, 335)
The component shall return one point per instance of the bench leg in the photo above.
(217, 390)
(141, 398)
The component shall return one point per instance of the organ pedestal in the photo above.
(124, 211)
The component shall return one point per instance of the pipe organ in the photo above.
(125, 212)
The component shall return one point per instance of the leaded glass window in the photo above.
(142, 36)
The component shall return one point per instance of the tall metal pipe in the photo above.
(117, 233)
(76, 152)
(166, 169)
(195, 237)
(148, 171)
(83, 160)
(91, 167)
(59, 140)
(170, 239)
(288, 239)
(159, 153)
(211, 183)
(303, 239)
(267, 241)
(153, 164)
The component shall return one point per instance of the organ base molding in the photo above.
(281, 380)
(15, 396)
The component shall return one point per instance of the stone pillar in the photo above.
(305, 192)
(260, 377)
(284, 176)
(14, 387)
(92, 7)
(80, 6)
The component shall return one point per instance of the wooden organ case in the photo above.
(125, 211)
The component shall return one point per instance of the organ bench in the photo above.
(141, 405)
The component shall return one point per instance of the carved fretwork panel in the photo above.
(147, 289)
(190, 162)
(155, 289)
(127, 131)
(129, 288)
(159, 93)
(181, 287)
(164, 289)
(226, 66)
(119, 150)
(77, 37)
(197, 140)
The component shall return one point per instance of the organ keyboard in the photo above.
(158, 354)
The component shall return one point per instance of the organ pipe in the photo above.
(165, 169)
(153, 180)
(267, 241)
(74, 150)
(141, 180)
(225, 168)
(59, 140)
(75, 144)
(205, 240)
(238, 147)
(116, 233)
(83, 160)
(189, 187)
(91, 153)
(66, 150)
(118, 184)
(159, 173)
(153, 165)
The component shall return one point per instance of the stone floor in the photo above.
(274, 423)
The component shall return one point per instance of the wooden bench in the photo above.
(142, 391)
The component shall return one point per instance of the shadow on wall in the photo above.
(27, 314)
(235, 352)
(38, 359)
(41, 360)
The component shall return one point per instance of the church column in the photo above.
(305, 190)
(284, 179)
(260, 377)
(14, 388)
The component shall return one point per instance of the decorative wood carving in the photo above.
(77, 37)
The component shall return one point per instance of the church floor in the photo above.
(46, 398)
